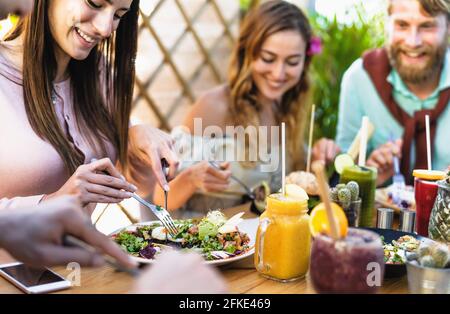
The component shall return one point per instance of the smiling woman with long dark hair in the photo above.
(66, 79)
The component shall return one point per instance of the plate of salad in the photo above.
(218, 239)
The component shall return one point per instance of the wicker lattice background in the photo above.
(184, 48)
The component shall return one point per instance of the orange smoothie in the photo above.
(283, 240)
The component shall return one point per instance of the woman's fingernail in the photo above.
(166, 187)
(123, 178)
(128, 194)
(133, 187)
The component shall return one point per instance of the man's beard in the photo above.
(417, 74)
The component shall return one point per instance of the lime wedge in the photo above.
(343, 161)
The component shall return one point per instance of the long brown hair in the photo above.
(108, 72)
(270, 18)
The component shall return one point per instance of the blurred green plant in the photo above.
(244, 5)
(342, 44)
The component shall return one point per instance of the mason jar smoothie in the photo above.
(283, 239)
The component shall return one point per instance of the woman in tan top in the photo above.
(267, 84)
(66, 86)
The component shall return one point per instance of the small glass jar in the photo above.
(283, 240)
(352, 211)
(439, 225)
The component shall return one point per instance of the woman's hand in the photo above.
(90, 184)
(325, 150)
(383, 159)
(207, 178)
(150, 145)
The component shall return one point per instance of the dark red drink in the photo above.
(425, 193)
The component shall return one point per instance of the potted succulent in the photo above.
(347, 196)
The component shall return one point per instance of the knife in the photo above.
(72, 241)
(165, 167)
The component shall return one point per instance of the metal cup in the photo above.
(407, 220)
(385, 218)
(428, 280)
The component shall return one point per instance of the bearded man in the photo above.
(398, 85)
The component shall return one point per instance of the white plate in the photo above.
(249, 226)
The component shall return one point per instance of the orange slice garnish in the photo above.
(318, 223)
(429, 174)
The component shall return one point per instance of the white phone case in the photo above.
(50, 287)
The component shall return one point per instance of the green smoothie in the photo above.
(366, 178)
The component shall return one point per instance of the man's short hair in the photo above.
(432, 7)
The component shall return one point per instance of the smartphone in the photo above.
(32, 280)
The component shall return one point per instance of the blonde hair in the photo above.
(270, 18)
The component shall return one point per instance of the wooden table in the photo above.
(241, 278)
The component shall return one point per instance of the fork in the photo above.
(398, 180)
(247, 189)
(161, 213)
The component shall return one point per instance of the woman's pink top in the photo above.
(29, 166)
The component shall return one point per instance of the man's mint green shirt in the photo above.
(359, 98)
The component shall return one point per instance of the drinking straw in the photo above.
(311, 130)
(283, 158)
(363, 143)
(427, 128)
(319, 170)
(353, 151)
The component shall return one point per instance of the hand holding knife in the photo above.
(72, 241)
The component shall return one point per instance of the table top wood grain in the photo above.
(240, 276)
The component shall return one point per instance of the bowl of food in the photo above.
(429, 269)
(397, 245)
